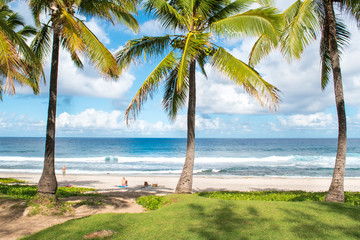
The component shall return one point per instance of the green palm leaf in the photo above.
(173, 99)
(150, 85)
(166, 13)
(244, 75)
(147, 46)
(113, 11)
(262, 47)
(265, 21)
(195, 44)
(97, 53)
(41, 45)
(302, 23)
(231, 9)
(71, 33)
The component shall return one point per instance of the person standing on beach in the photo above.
(64, 170)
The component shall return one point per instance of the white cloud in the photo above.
(90, 118)
(98, 30)
(151, 28)
(20, 122)
(97, 120)
(74, 81)
(219, 95)
(83, 82)
(316, 120)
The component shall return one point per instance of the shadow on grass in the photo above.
(225, 222)
(308, 225)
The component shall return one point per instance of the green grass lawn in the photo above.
(196, 217)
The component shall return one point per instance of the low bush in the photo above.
(10, 180)
(151, 202)
(29, 192)
(351, 198)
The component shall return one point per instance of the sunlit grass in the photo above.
(195, 217)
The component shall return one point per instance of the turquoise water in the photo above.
(160, 156)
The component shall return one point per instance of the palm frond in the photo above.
(195, 43)
(27, 31)
(351, 7)
(173, 99)
(325, 58)
(38, 7)
(71, 33)
(262, 47)
(97, 53)
(17, 58)
(300, 30)
(41, 44)
(113, 11)
(342, 35)
(135, 48)
(266, 3)
(264, 21)
(150, 85)
(247, 77)
(343, 39)
(201, 60)
(166, 14)
(10, 62)
(230, 9)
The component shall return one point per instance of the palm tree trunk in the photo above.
(48, 182)
(186, 179)
(336, 190)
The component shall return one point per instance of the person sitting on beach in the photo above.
(124, 182)
(146, 184)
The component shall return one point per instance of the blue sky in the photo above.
(89, 106)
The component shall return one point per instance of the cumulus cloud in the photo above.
(217, 94)
(98, 30)
(84, 82)
(21, 122)
(316, 120)
(113, 122)
(151, 28)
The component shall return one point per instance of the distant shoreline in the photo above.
(167, 184)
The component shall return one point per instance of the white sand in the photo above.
(167, 184)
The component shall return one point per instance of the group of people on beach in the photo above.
(124, 182)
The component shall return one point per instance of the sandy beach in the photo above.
(167, 184)
(122, 200)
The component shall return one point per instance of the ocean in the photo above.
(165, 156)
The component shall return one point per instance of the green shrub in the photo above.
(28, 192)
(73, 191)
(19, 191)
(10, 180)
(151, 202)
(351, 198)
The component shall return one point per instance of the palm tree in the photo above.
(198, 21)
(17, 61)
(74, 36)
(304, 21)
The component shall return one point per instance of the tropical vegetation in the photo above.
(195, 217)
(305, 20)
(197, 25)
(67, 26)
(17, 62)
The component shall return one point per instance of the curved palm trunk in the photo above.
(48, 182)
(336, 190)
(185, 182)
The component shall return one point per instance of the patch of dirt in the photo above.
(15, 223)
